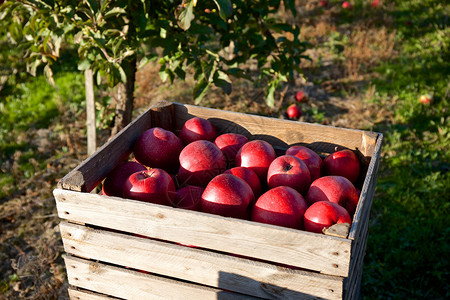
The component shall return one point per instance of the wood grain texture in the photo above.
(128, 284)
(326, 254)
(78, 294)
(280, 133)
(367, 192)
(94, 169)
(205, 267)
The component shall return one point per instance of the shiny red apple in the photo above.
(196, 129)
(426, 99)
(248, 176)
(342, 163)
(282, 206)
(256, 155)
(309, 157)
(293, 112)
(158, 148)
(335, 189)
(153, 185)
(227, 195)
(289, 170)
(324, 214)
(200, 161)
(230, 143)
(347, 5)
(114, 181)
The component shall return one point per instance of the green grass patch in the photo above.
(407, 250)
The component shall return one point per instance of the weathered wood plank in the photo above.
(77, 294)
(128, 284)
(280, 133)
(205, 267)
(94, 169)
(367, 193)
(326, 254)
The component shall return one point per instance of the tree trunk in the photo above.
(125, 98)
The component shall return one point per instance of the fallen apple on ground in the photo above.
(293, 112)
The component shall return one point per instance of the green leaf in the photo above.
(270, 93)
(185, 15)
(225, 8)
(48, 73)
(84, 65)
(222, 80)
(200, 89)
(115, 12)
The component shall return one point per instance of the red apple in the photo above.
(323, 3)
(157, 148)
(309, 157)
(289, 170)
(189, 197)
(293, 112)
(257, 156)
(153, 185)
(300, 96)
(323, 214)
(426, 99)
(335, 189)
(200, 161)
(113, 184)
(227, 195)
(196, 129)
(342, 163)
(230, 143)
(248, 176)
(347, 5)
(282, 206)
(375, 3)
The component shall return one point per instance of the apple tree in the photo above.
(214, 40)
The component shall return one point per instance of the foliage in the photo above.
(191, 34)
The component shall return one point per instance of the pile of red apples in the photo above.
(229, 175)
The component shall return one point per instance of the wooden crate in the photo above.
(129, 249)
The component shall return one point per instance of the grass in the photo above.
(29, 106)
(407, 250)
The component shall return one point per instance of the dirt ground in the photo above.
(31, 251)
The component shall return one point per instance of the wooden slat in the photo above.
(127, 284)
(78, 294)
(367, 193)
(199, 266)
(326, 254)
(93, 170)
(280, 133)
